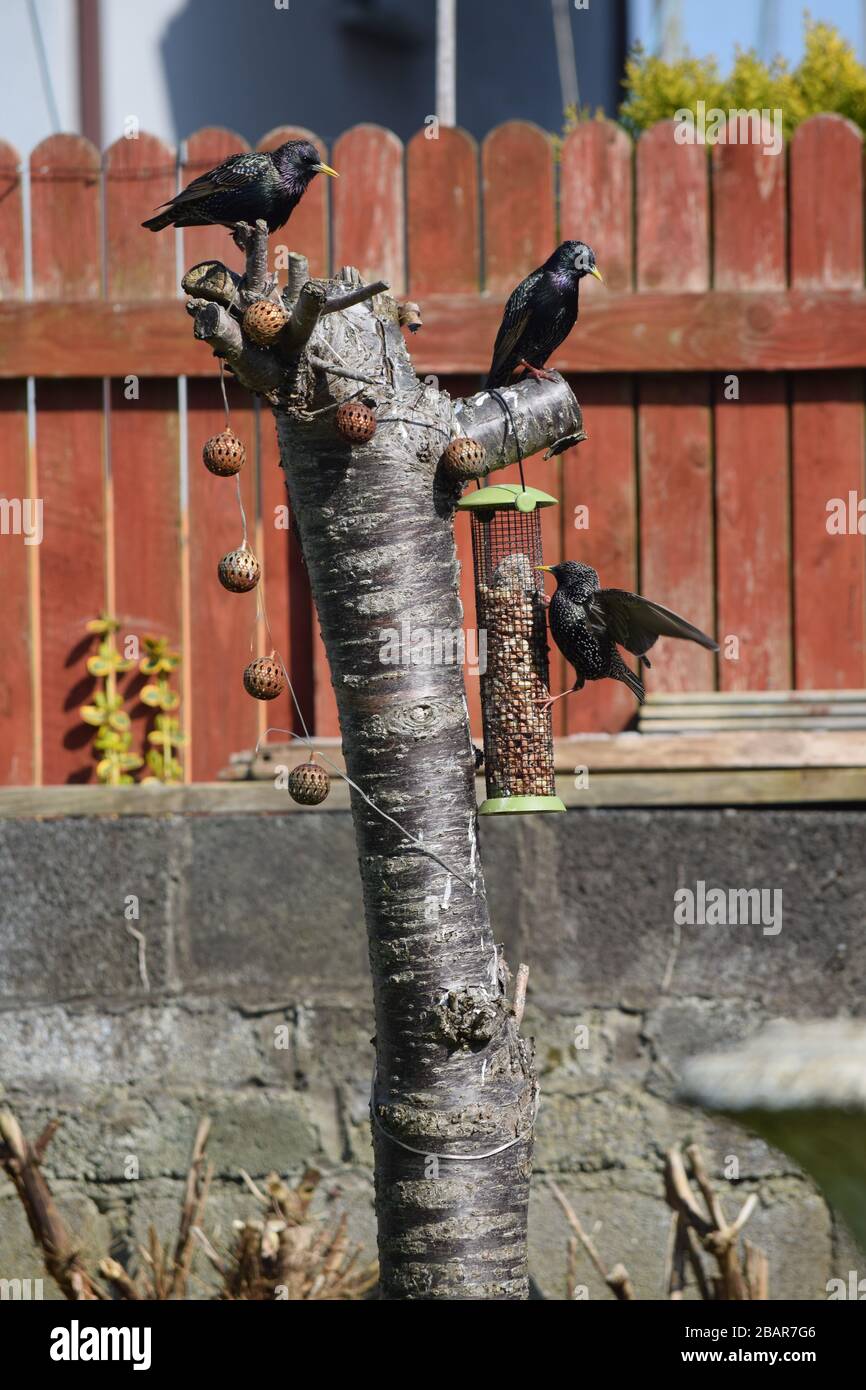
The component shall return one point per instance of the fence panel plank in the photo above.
(751, 433)
(827, 413)
(442, 213)
(674, 441)
(596, 199)
(70, 464)
(599, 475)
(519, 203)
(144, 496)
(17, 696)
(369, 217)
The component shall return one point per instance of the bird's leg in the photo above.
(242, 235)
(539, 374)
(547, 700)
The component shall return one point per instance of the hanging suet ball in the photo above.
(264, 321)
(224, 454)
(264, 679)
(464, 460)
(239, 570)
(309, 784)
(356, 422)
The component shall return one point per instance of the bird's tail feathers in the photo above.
(156, 224)
(621, 672)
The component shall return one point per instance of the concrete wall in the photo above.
(253, 922)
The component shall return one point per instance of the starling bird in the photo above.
(244, 188)
(541, 313)
(587, 622)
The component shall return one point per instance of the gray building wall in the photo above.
(253, 922)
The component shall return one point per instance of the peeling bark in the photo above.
(453, 1075)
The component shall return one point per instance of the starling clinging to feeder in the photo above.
(587, 622)
(244, 188)
(540, 313)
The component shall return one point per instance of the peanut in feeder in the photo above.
(518, 733)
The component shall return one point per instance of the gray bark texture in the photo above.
(453, 1075)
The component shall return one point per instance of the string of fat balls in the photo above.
(266, 677)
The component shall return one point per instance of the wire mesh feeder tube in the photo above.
(518, 731)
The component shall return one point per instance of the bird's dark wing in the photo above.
(637, 623)
(514, 321)
(237, 171)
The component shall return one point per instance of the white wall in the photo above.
(25, 112)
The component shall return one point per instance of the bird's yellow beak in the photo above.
(325, 169)
(597, 273)
(546, 568)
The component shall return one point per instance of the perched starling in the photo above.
(540, 313)
(587, 622)
(244, 188)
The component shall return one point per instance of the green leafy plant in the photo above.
(106, 713)
(166, 736)
(828, 77)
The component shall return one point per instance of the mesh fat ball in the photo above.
(355, 421)
(309, 784)
(464, 459)
(264, 320)
(518, 737)
(224, 454)
(263, 678)
(239, 570)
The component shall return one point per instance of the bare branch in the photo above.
(344, 372)
(305, 315)
(256, 251)
(520, 993)
(298, 275)
(617, 1279)
(543, 413)
(255, 368)
(213, 281)
(356, 296)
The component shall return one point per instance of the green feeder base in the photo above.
(500, 805)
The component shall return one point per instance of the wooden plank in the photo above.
(146, 585)
(17, 695)
(599, 513)
(751, 435)
(519, 204)
(442, 213)
(675, 466)
(723, 787)
(596, 201)
(676, 522)
(826, 204)
(719, 331)
(202, 152)
(673, 248)
(11, 224)
(65, 186)
(139, 175)
(829, 571)
(673, 752)
(307, 229)
(369, 218)
(70, 464)
(17, 701)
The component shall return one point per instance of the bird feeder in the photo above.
(509, 599)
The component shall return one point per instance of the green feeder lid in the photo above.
(502, 805)
(506, 495)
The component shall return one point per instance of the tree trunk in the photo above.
(454, 1091)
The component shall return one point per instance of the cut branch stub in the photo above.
(543, 413)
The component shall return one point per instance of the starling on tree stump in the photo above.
(245, 188)
(587, 622)
(540, 313)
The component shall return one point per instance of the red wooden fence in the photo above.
(720, 264)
